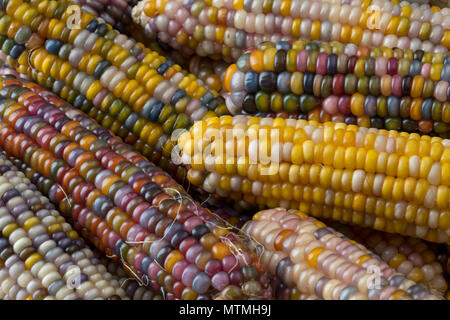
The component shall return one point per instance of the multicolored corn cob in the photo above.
(42, 255)
(134, 91)
(309, 256)
(130, 208)
(392, 89)
(416, 259)
(226, 27)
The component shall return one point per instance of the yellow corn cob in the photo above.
(387, 180)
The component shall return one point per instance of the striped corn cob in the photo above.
(226, 215)
(148, 96)
(13, 285)
(134, 287)
(162, 157)
(44, 256)
(128, 151)
(227, 28)
(117, 13)
(309, 256)
(407, 91)
(414, 258)
(386, 180)
(141, 215)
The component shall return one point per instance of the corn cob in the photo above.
(412, 257)
(386, 180)
(156, 157)
(45, 245)
(135, 285)
(393, 93)
(349, 58)
(197, 240)
(230, 217)
(135, 289)
(106, 119)
(359, 60)
(128, 152)
(79, 100)
(11, 288)
(227, 28)
(306, 254)
(136, 77)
